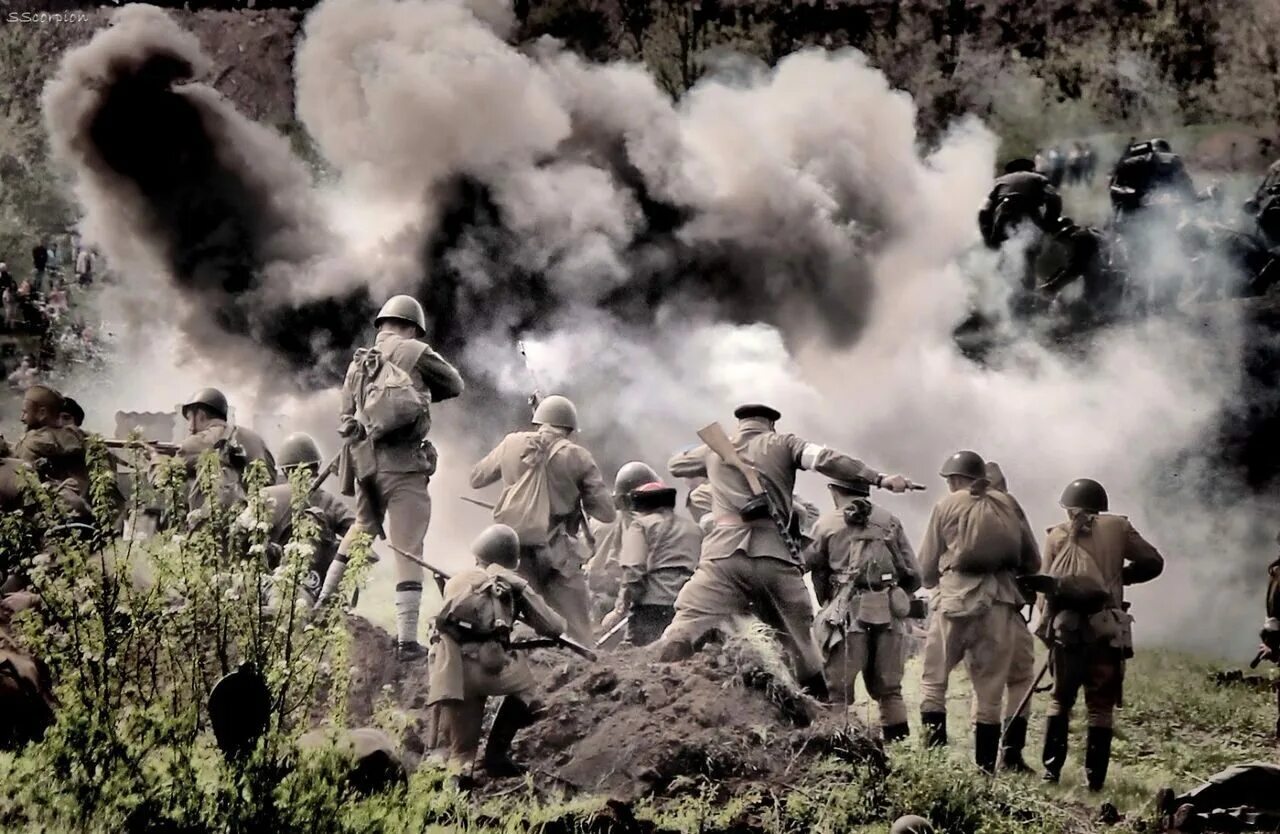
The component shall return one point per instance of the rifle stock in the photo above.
(718, 441)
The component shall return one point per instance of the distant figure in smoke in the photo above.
(548, 483)
(388, 461)
(39, 259)
(976, 542)
(747, 566)
(1086, 623)
(864, 572)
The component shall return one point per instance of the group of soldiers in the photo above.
(1156, 210)
(674, 577)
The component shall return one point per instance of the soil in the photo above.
(628, 726)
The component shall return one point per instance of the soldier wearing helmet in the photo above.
(1090, 640)
(604, 574)
(976, 543)
(660, 551)
(332, 517)
(389, 472)
(548, 483)
(237, 447)
(747, 567)
(864, 572)
(471, 657)
(1020, 195)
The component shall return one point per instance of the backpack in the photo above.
(1081, 585)
(989, 536)
(386, 398)
(525, 506)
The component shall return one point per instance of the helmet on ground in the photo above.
(556, 411)
(858, 487)
(210, 398)
(631, 476)
(911, 824)
(966, 464)
(653, 496)
(403, 308)
(1084, 494)
(496, 544)
(298, 449)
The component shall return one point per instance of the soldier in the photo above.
(604, 573)
(660, 551)
(864, 572)
(1146, 170)
(976, 542)
(1088, 628)
(1019, 195)
(698, 502)
(1022, 671)
(389, 471)
(237, 447)
(72, 415)
(56, 452)
(471, 657)
(746, 565)
(332, 517)
(548, 481)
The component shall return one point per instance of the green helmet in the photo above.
(631, 476)
(1084, 494)
(497, 544)
(965, 464)
(298, 449)
(210, 398)
(403, 308)
(911, 824)
(556, 411)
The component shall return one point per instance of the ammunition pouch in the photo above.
(757, 508)
(873, 609)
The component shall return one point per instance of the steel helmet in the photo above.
(1084, 494)
(556, 411)
(1162, 145)
(858, 487)
(403, 308)
(298, 449)
(911, 824)
(497, 544)
(631, 476)
(210, 398)
(966, 464)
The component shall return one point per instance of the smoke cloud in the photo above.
(777, 234)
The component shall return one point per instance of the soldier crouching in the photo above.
(471, 656)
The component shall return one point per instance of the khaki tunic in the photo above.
(976, 619)
(660, 552)
(1121, 556)
(604, 573)
(194, 446)
(333, 517)
(58, 454)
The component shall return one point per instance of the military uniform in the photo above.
(26, 690)
(604, 572)
(1089, 650)
(698, 504)
(57, 453)
(217, 436)
(1015, 198)
(660, 551)
(746, 567)
(864, 570)
(391, 481)
(471, 662)
(332, 517)
(975, 613)
(553, 567)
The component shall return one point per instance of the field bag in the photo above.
(386, 398)
(989, 536)
(525, 506)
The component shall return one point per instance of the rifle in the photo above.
(536, 396)
(329, 469)
(487, 506)
(717, 441)
(155, 445)
(561, 641)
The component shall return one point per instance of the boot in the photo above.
(935, 728)
(1056, 728)
(986, 746)
(895, 732)
(1097, 756)
(1015, 738)
(815, 686)
(513, 715)
(409, 651)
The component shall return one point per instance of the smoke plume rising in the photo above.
(782, 235)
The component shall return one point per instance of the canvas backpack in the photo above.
(525, 506)
(386, 398)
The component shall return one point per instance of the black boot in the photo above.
(513, 715)
(409, 652)
(1056, 728)
(815, 686)
(935, 728)
(986, 746)
(895, 732)
(1015, 738)
(1097, 756)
